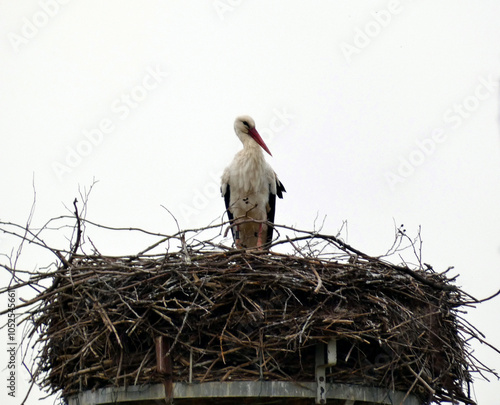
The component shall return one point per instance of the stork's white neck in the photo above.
(248, 172)
(252, 148)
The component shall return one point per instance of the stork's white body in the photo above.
(249, 186)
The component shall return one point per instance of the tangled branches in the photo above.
(248, 315)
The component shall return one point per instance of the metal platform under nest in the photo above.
(251, 392)
(244, 392)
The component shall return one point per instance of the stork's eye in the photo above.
(245, 123)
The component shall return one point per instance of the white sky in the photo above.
(346, 94)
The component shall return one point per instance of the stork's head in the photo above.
(244, 126)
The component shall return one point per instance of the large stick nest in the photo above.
(222, 314)
(247, 316)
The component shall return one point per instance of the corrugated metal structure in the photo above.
(251, 392)
(244, 392)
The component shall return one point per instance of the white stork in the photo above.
(249, 187)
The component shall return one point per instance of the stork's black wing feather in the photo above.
(280, 189)
(227, 199)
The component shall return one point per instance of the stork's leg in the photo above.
(237, 240)
(259, 237)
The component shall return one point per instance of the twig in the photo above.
(76, 245)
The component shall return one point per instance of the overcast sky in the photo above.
(376, 112)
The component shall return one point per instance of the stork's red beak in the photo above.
(255, 135)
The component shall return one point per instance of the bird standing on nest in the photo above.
(249, 187)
